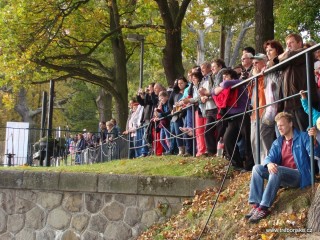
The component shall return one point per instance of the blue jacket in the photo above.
(315, 113)
(300, 151)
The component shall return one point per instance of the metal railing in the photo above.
(26, 147)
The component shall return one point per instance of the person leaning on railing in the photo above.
(81, 145)
(133, 124)
(295, 79)
(212, 131)
(315, 117)
(145, 100)
(200, 121)
(163, 121)
(232, 102)
(178, 116)
(112, 131)
(272, 88)
(155, 101)
(266, 131)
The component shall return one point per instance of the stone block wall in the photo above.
(49, 205)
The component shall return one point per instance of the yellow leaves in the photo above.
(269, 236)
(183, 161)
(8, 101)
(222, 198)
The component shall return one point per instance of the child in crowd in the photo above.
(112, 131)
(160, 115)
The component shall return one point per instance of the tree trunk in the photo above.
(314, 213)
(222, 42)
(246, 26)
(172, 56)
(22, 108)
(200, 46)
(172, 16)
(201, 34)
(104, 105)
(264, 29)
(120, 71)
(228, 43)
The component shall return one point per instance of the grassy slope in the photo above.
(160, 166)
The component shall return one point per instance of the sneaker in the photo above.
(258, 215)
(142, 156)
(187, 155)
(252, 211)
(210, 154)
(202, 155)
(167, 153)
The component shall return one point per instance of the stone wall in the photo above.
(52, 205)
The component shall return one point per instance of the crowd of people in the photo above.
(108, 131)
(209, 89)
(225, 108)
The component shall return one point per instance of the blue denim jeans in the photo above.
(179, 139)
(173, 140)
(164, 134)
(286, 177)
(189, 118)
(138, 141)
(145, 148)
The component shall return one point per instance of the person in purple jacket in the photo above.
(235, 124)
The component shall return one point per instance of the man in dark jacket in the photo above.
(295, 79)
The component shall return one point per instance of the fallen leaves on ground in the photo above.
(227, 220)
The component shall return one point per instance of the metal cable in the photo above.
(225, 176)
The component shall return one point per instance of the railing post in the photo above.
(129, 145)
(155, 138)
(257, 121)
(101, 154)
(308, 64)
(193, 131)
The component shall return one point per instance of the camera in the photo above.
(244, 74)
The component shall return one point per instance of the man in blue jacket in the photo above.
(287, 165)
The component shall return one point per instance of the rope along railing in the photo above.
(182, 135)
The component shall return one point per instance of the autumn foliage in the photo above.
(289, 213)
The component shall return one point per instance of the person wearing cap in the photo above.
(259, 63)
(287, 165)
(295, 79)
